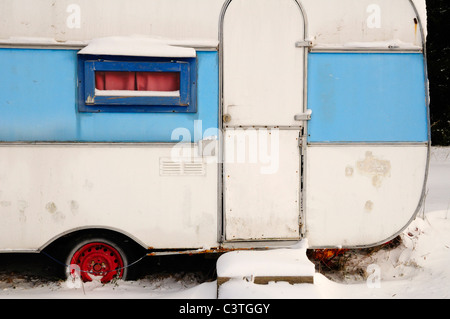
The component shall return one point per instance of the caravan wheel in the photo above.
(97, 258)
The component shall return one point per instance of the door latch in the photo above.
(303, 44)
(303, 116)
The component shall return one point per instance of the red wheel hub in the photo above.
(98, 259)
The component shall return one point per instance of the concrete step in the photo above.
(289, 265)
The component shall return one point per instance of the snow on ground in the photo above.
(415, 268)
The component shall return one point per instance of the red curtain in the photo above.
(140, 81)
(154, 81)
(115, 80)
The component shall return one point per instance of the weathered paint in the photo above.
(262, 72)
(367, 97)
(261, 184)
(368, 206)
(262, 85)
(52, 189)
(75, 22)
(375, 168)
(353, 195)
(38, 99)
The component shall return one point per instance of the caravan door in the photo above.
(263, 90)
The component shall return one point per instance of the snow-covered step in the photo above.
(263, 266)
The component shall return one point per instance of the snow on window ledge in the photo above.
(137, 46)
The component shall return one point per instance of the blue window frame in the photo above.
(90, 99)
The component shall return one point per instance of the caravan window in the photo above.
(125, 84)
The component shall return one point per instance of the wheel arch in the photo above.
(92, 231)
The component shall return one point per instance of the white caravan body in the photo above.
(210, 124)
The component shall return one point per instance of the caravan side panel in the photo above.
(368, 137)
(47, 190)
(367, 146)
(61, 170)
(362, 195)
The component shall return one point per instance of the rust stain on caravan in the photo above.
(349, 171)
(51, 207)
(5, 203)
(375, 168)
(57, 216)
(22, 205)
(74, 206)
(212, 250)
(415, 26)
(368, 206)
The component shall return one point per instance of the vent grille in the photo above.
(169, 167)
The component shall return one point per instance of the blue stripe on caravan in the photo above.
(367, 97)
(37, 95)
(38, 103)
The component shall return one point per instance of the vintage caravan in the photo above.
(208, 125)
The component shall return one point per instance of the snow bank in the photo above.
(147, 288)
(277, 262)
(418, 268)
(438, 185)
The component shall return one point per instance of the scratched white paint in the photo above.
(337, 23)
(178, 19)
(263, 85)
(361, 195)
(329, 22)
(47, 190)
(263, 70)
(370, 193)
(261, 191)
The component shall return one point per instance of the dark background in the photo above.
(438, 70)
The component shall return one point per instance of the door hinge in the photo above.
(303, 116)
(301, 138)
(303, 44)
